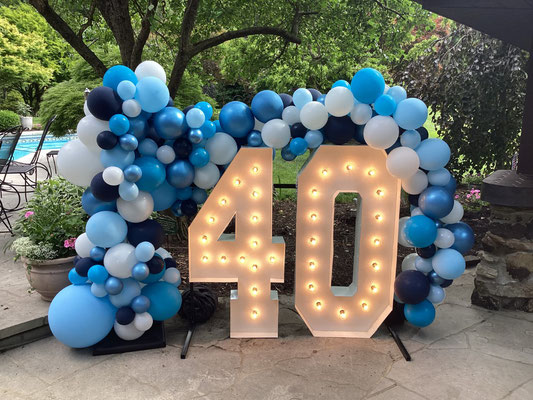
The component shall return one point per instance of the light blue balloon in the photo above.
(79, 319)
(433, 154)
(398, 93)
(117, 74)
(140, 304)
(148, 147)
(341, 82)
(133, 173)
(411, 113)
(165, 300)
(164, 196)
(423, 265)
(128, 191)
(130, 290)
(448, 263)
(195, 118)
(301, 97)
(144, 251)
(126, 90)
(421, 314)
(439, 177)
(367, 85)
(385, 105)
(106, 229)
(199, 195)
(119, 124)
(314, 139)
(322, 99)
(410, 138)
(152, 94)
(436, 294)
(117, 157)
(206, 108)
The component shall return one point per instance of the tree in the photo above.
(475, 87)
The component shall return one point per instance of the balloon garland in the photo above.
(137, 154)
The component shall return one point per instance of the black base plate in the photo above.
(153, 338)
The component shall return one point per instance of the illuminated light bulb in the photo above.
(349, 167)
(242, 259)
(255, 194)
(211, 220)
(254, 267)
(255, 243)
(314, 192)
(254, 291)
(255, 314)
(313, 217)
(373, 288)
(318, 305)
(254, 218)
(255, 170)
(379, 217)
(377, 242)
(380, 192)
(205, 259)
(223, 202)
(237, 182)
(312, 241)
(324, 172)
(375, 265)
(272, 259)
(204, 239)
(311, 287)
(364, 306)
(371, 172)
(312, 265)
(342, 314)
(223, 259)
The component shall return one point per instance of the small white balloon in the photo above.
(98, 290)
(166, 154)
(403, 162)
(131, 108)
(143, 321)
(136, 210)
(314, 115)
(416, 211)
(207, 176)
(276, 133)
(77, 164)
(439, 177)
(402, 239)
(410, 139)
(113, 176)
(150, 68)
(445, 238)
(127, 332)
(381, 132)
(361, 113)
(408, 262)
(222, 148)
(258, 125)
(88, 129)
(120, 259)
(423, 265)
(291, 115)
(455, 215)
(86, 109)
(163, 253)
(436, 294)
(339, 101)
(83, 245)
(416, 183)
(172, 275)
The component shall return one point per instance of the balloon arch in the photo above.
(137, 154)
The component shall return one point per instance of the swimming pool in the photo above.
(27, 144)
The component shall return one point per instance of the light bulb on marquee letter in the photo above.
(356, 310)
(251, 257)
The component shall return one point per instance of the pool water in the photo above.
(27, 144)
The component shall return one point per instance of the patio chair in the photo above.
(8, 143)
(28, 171)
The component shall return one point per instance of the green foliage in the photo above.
(475, 86)
(10, 100)
(8, 119)
(52, 216)
(65, 99)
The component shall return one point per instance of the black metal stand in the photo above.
(187, 343)
(399, 343)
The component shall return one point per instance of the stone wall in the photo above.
(504, 277)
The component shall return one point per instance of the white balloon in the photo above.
(83, 245)
(143, 321)
(439, 177)
(445, 238)
(416, 183)
(86, 109)
(113, 176)
(361, 113)
(408, 262)
(258, 125)
(172, 275)
(403, 162)
(221, 148)
(98, 290)
(131, 108)
(381, 132)
(276, 133)
(401, 235)
(150, 68)
(136, 210)
(166, 154)
(291, 115)
(455, 215)
(88, 129)
(207, 176)
(163, 253)
(416, 211)
(77, 164)
(120, 259)
(314, 115)
(387, 87)
(339, 101)
(423, 265)
(127, 332)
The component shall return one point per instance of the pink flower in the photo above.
(468, 195)
(69, 243)
(28, 214)
(478, 196)
(456, 196)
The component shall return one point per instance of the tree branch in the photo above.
(69, 35)
(89, 21)
(142, 37)
(386, 8)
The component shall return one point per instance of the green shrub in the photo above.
(8, 119)
(10, 100)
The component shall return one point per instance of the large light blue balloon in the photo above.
(367, 85)
(301, 97)
(152, 94)
(433, 154)
(411, 113)
(165, 300)
(398, 93)
(117, 157)
(79, 319)
(106, 229)
(448, 263)
(164, 196)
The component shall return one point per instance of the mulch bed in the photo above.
(284, 224)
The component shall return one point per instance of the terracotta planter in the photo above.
(48, 277)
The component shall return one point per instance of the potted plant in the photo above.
(47, 229)
(26, 120)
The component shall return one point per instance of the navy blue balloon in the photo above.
(358, 135)
(396, 144)
(199, 195)
(435, 279)
(424, 134)
(236, 119)
(170, 263)
(464, 237)
(180, 174)
(106, 140)
(287, 154)
(413, 199)
(426, 252)
(155, 264)
(83, 265)
(315, 93)
(446, 283)
(103, 102)
(146, 231)
(176, 209)
(435, 202)
(170, 123)
(411, 286)
(101, 190)
(125, 315)
(298, 130)
(339, 130)
(186, 109)
(254, 139)
(91, 205)
(451, 185)
(182, 147)
(286, 98)
(267, 105)
(189, 207)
